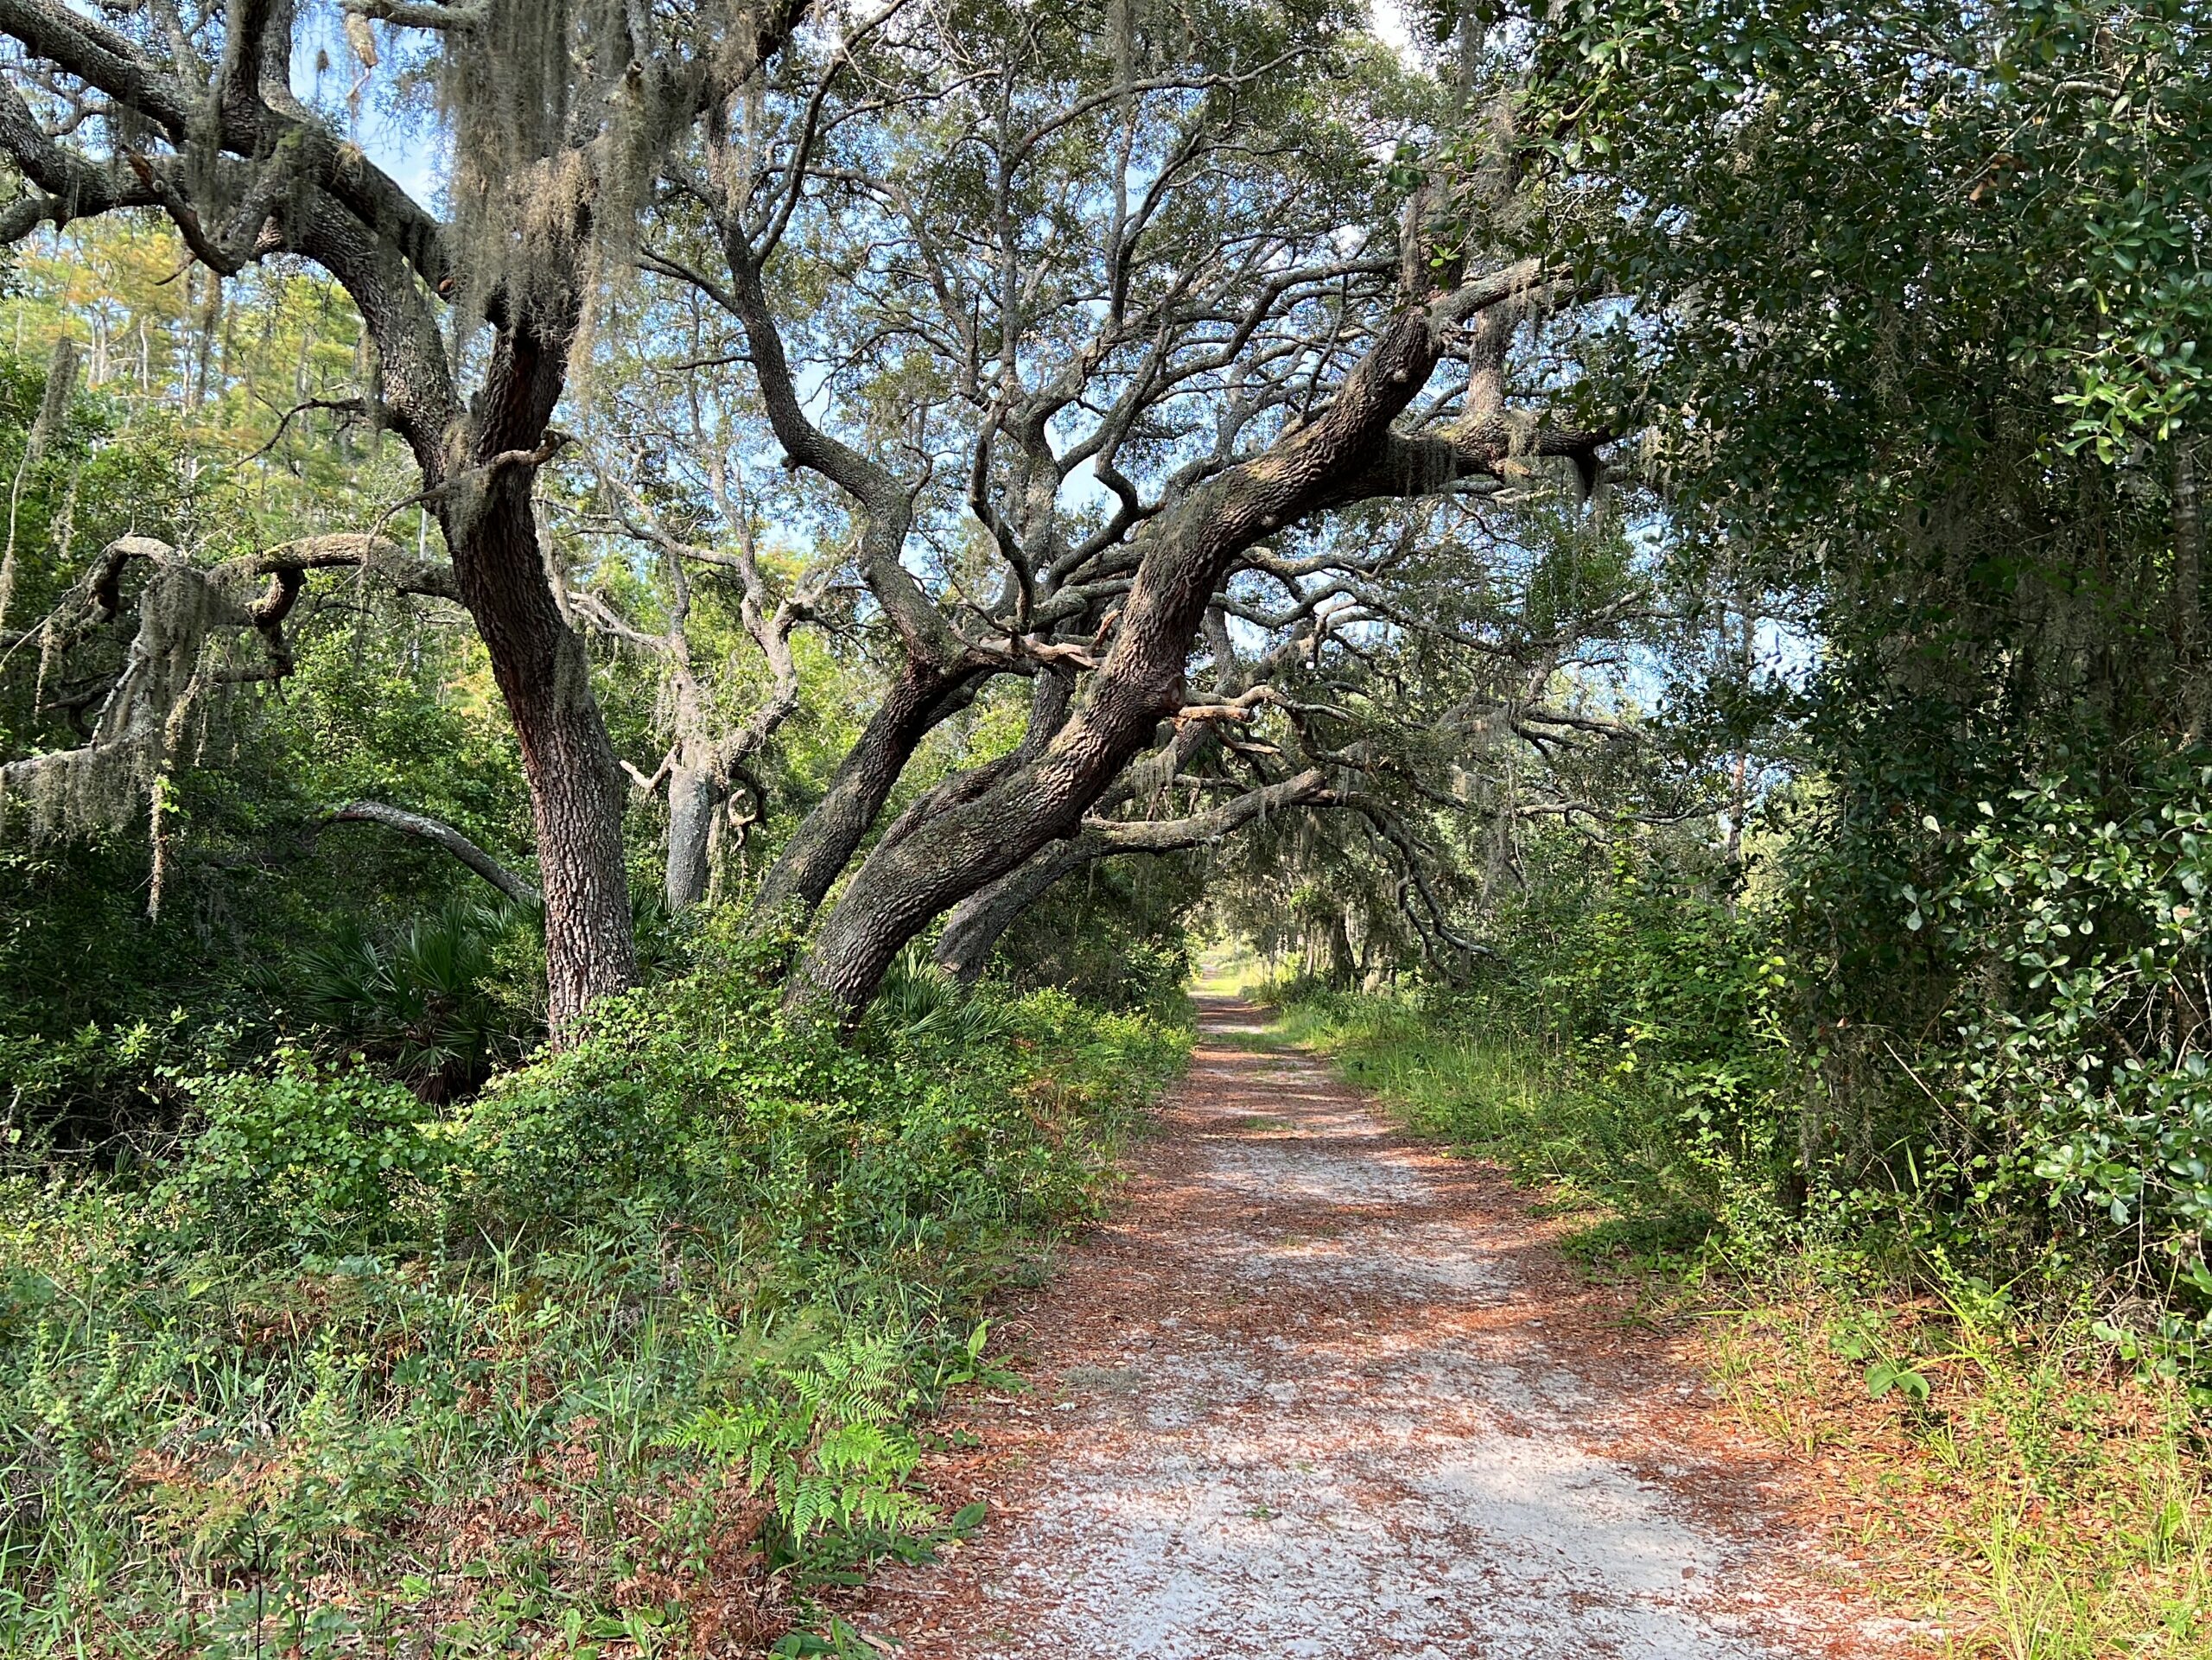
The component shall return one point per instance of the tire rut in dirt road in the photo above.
(1317, 1391)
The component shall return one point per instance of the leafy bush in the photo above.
(87, 1085)
(2066, 922)
(1632, 1041)
(362, 1372)
(303, 1155)
(1973, 1047)
(2080, 953)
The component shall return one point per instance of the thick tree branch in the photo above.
(439, 834)
(977, 925)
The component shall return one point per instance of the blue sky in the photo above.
(406, 149)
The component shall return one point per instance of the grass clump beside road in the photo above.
(628, 1356)
(1992, 1460)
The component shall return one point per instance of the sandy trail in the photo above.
(1318, 1390)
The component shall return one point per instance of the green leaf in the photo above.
(1885, 1374)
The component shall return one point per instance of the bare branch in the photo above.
(439, 834)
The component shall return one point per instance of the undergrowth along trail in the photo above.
(628, 1356)
(2007, 1482)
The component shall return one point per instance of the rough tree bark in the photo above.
(980, 921)
(577, 790)
(917, 701)
(1347, 452)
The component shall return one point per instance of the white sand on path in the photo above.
(1318, 1390)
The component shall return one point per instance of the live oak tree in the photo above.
(1468, 684)
(558, 117)
(711, 752)
(1077, 328)
(1079, 316)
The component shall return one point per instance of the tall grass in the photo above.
(1517, 1100)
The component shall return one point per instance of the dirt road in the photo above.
(1319, 1390)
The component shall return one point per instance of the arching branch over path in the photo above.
(964, 949)
(1349, 451)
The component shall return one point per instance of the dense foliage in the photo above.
(596, 1355)
(1721, 723)
(1905, 307)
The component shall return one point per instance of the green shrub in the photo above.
(351, 1365)
(305, 1154)
(87, 1084)
(1967, 1047)
(1632, 1044)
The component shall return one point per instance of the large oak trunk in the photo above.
(577, 790)
(1345, 453)
(905, 884)
(577, 793)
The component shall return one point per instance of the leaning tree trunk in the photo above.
(1346, 453)
(825, 841)
(980, 921)
(577, 790)
(907, 881)
(904, 884)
